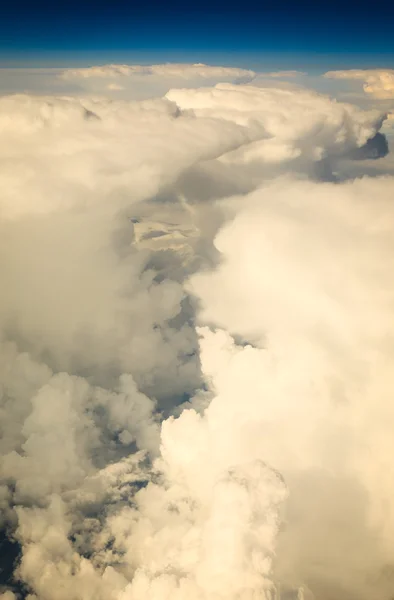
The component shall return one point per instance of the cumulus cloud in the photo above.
(379, 83)
(304, 280)
(195, 338)
(298, 130)
(281, 115)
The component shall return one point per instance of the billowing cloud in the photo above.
(304, 281)
(195, 332)
(298, 128)
(377, 82)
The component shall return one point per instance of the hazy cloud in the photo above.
(181, 70)
(377, 82)
(284, 74)
(139, 81)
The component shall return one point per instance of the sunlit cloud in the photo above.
(379, 83)
(196, 339)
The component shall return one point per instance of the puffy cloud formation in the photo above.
(195, 330)
(70, 138)
(304, 281)
(309, 122)
(377, 82)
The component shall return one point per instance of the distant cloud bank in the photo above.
(181, 70)
(377, 82)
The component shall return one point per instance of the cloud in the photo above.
(194, 345)
(140, 81)
(304, 280)
(297, 128)
(375, 147)
(72, 173)
(115, 87)
(379, 83)
(136, 82)
(285, 74)
(170, 70)
(72, 133)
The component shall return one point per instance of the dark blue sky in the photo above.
(343, 33)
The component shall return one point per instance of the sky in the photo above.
(338, 34)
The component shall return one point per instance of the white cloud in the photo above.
(304, 276)
(377, 82)
(117, 305)
(282, 113)
(70, 137)
(137, 82)
(170, 70)
(291, 123)
(71, 173)
(140, 81)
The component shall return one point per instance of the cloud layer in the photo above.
(195, 352)
(137, 81)
(171, 70)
